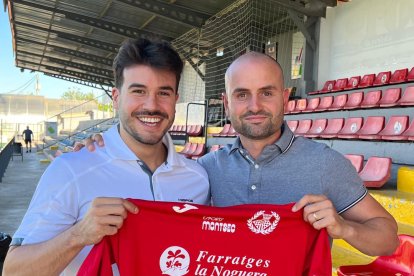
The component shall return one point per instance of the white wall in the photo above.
(366, 36)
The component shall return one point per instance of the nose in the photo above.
(151, 102)
(255, 104)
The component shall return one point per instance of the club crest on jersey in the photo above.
(262, 223)
(174, 261)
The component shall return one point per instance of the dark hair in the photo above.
(154, 53)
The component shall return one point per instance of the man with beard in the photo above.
(81, 197)
(267, 164)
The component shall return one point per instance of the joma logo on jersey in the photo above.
(218, 226)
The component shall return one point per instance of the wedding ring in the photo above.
(315, 216)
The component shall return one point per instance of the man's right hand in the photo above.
(104, 217)
(89, 143)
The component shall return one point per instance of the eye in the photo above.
(267, 93)
(165, 93)
(138, 91)
(241, 96)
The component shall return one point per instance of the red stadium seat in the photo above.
(329, 85)
(371, 99)
(223, 132)
(399, 76)
(354, 100)
(371, 127)
(401, 262)
(367, 80)
(376, 172)
(303, 127)
(290, 106)
(394, 128)
(410, 76)
(409, 132)
(190, 129)
(186, 148)
(191, 150)
(214, 148)
(312, 104)
(300, 106)
(199, 151)
(390, 97)
(292, 125)
(351, 126)
(382, 78)
(332, 128)
(318, 126)
(407, 97)
(353, 82)
(339, 102)
(198, 130)
(325, 103)
(232, 132)
(340, 85)
(357, 161)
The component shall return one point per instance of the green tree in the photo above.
(75, 94)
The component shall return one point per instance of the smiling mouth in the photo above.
(149, 121)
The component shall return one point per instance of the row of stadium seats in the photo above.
(372, 99)
(368, 80)
(193, 150)
(190, 130)
(227, 131)
(371, 128)
(376, 171)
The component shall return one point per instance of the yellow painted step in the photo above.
(399, 204)
(342, 256)
(178, 148)
(198, 140)
(54, 147)
(212, 130)
(44, 161)
(405, 180)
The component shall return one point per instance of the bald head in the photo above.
(248, 61)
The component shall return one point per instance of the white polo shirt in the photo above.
(73, 180)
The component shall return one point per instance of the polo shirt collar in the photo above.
(283, 143)
(117, 149)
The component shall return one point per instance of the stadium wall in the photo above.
(365, 36)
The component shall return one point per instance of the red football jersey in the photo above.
(177, 239)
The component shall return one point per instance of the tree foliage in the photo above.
(75, 94)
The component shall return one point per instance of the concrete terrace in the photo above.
(17, 188)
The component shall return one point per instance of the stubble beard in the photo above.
(256, 132)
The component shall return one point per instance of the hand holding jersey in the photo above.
(105, 216)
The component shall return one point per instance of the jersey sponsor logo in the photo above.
(175, 261)
(185, 208)
(217, 224)
(263, 223)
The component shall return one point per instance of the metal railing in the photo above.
(5, 156)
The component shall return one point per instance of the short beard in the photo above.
(255, 132)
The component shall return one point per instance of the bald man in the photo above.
(267, 164)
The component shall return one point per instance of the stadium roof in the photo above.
(76, 40)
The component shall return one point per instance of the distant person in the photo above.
(27, 136)
(81, 196)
